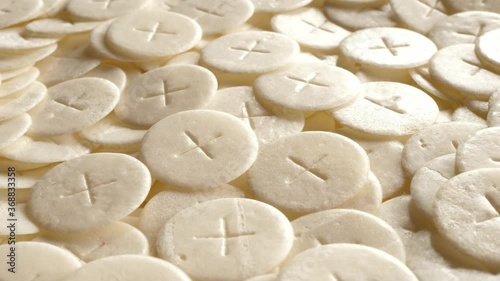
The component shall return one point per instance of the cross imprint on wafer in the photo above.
(318, 27)
(89, 188)
(478, 66)
(433, 7)
(73, 102)
(107, 3)
(307, 82)
(209, 12)
(306, 169)
(225, 235)
(391, 104)
(493, 199)
(252, 49)
(167, 94)
(476, 34)
(250, 120)
(153, 32)
(4, 11)
(390, 46)
(202, 147)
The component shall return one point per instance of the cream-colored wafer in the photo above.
(345, 226)
(242, 238)
(250, 52)
(345, 262)
(40, 261)
(73, 105)
(123, 267)
(12, 129)
(466, 213)
(310, 28)
(463, 28)
(308, 87)
(19, 82)
(103, 10)
(152, 34)
(481, 150)
(115, 239)
(164, 205)
(103, 187)
(388, 109)
(428, 179)
(388, 47)
(164, 91)
(332, 170)
(458, 67)
(199, 149)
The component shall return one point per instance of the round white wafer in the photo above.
(458, 67)
(481, 150)
(164, 205)
(22, 101)
(388, 109)
(310, 171)
(11, 62)
(356, 18)
(345, 262)
(463, 28)
(55, 27)
(152, 34)
(12, 129)
(434, 141)
(20, 82)
(494, 109)
(164, 91)
(473, 5)
(466, 213)
(428, 179)
(45, 150)
(388, 47)
(100, 10)
(345, 226)
(116, 239)
(241, 102)
(73, 105)
(12, 40)
(250, 52)
(18, 71)
(199, 149)
(38, 261)
(103, 187)
(277, 6)
(132, 267)
(308, 87)
(241, 238)
(310, 28)
(487, 47)
(55, 70)
(14, 12)
(419, 15)
(216, 16)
